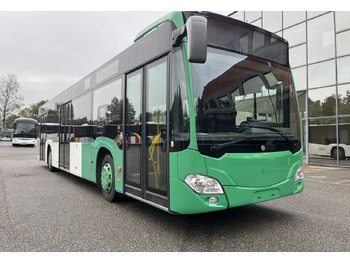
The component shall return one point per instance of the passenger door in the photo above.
(41, 136)
(146, 156)
(65, 134)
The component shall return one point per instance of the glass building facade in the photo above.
(319, 53)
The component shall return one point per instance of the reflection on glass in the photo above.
(83, 130)
(133, 128)
(344, 140)
(24, 127)
(257, 23)
(342, 20)
(299, 76)
(343, 46)
(322, 74)
(343, 69)
(235, 93)
(321, 38)
(105, 96)
(252, 15)
(311, 14)
(297, 55)
(344, 130)
(322, 141)
(301, 100)
(344, 100)
(156, 125)
(322, 102)
(322, 121)
(272, 20)
(296, 34)
(292, 17)
(180, 122)
(244, 41)
(82, 109)
(238, 15)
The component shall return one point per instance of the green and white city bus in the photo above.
(198, 115)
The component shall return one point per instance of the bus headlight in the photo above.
(299, 174)
(203, 184)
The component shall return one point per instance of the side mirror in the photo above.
(196, 31)
(196, 27)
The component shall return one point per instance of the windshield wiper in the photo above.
(227, 144)
(289, 141)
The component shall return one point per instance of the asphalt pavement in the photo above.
(43, 211)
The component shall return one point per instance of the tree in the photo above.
(32, 110)
(344, 104)
(9, 120)
(314, 108)
(10, 100)
(116, 111)
(329, 106)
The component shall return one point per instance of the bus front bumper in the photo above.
(191, 203)
(23, 142)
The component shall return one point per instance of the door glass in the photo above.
(65, 134)
(156, 125)
(42, 136)
(133, 128)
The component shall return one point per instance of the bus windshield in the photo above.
(244, 104)
(24, 129)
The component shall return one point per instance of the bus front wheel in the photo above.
(107, 178)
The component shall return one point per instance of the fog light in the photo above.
(299, 174)
(213, 200)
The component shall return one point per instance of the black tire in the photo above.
(49, 162)
(107, 179)
(340, 152)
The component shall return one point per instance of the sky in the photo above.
(51, 45)
(50, 50)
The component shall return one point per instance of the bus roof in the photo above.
(24, 119)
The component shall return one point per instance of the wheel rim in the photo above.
(106, 177)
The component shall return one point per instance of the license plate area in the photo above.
(265, 195)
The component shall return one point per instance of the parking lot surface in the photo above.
(43, 211)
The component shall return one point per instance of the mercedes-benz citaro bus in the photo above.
(200, 114)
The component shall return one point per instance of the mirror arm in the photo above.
(177, 36)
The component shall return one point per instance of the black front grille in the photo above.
(25, 135)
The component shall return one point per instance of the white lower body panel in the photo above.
(75, 159)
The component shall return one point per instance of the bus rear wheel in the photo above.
(338, 152)
(107, 178)
(49, 161)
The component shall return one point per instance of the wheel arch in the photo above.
(48, 150)
(102, 147)
(337, 150)
(102, 152)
